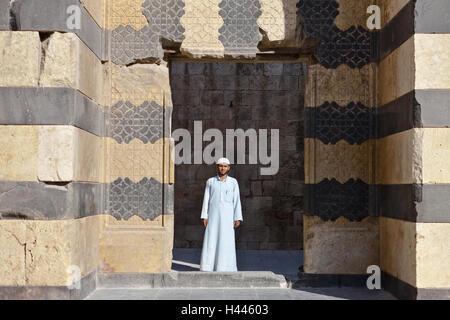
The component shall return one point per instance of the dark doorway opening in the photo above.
(243, 95)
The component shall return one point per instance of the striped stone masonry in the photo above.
(413, 148)
(86, 177)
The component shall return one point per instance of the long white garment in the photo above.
(221, 206)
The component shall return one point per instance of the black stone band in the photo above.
(50, 15)
(87, 286)
(50, 201)
(356, 200)
(330, 123)
(418, 16)
(122, 199)
(416, 109)
(50, 106)
(330, 200)
(356, 123)
(427, 203)
(124, 121)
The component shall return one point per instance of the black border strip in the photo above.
(315, 280)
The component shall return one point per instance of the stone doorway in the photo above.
(233, 95)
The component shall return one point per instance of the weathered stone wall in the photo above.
(413, 148)
(228, 95)
(83, 110)
(341, 226)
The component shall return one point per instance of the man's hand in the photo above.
(237, 223)
(205, 222)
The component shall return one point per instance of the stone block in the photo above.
(343, 85)
(69, 63)
(136, 250)
(41, 201)
(67, 154)
(19, 156)
(12, 241)
(50, 106)
(20, 58)
(341, 246)
(273, 69)
(48, 248)
(141, 82)
(341, 161)
(48, 15)
(256, 188)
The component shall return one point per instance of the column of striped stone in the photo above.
(51, 123)
(341, 226)
(413, 148)
(137, 236)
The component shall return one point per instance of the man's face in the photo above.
(223, 168)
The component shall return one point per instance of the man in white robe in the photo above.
(221, 213)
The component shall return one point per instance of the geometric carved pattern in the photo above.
(318, 16)
(202, 23)
(129, 45)
(240, 31)
(125, 12)
(331, 123)
(330, 200)
(273, 19)
(164, 18)
(133, 42)
(351, 47)
(127, 198)
(144, 122)
(135, 160)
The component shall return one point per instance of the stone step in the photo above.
(193, 279)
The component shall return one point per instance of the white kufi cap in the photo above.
(223, 160)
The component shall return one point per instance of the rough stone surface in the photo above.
(340, 247)
(243, 95)
(130, 247)
(50, 153)
(341, 161)
(20, 59)
(48, 248)
(18, 159)
(66, 153)
(69, 63)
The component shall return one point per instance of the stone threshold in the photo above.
(193, 279)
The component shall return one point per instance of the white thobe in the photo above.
(221, 206)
